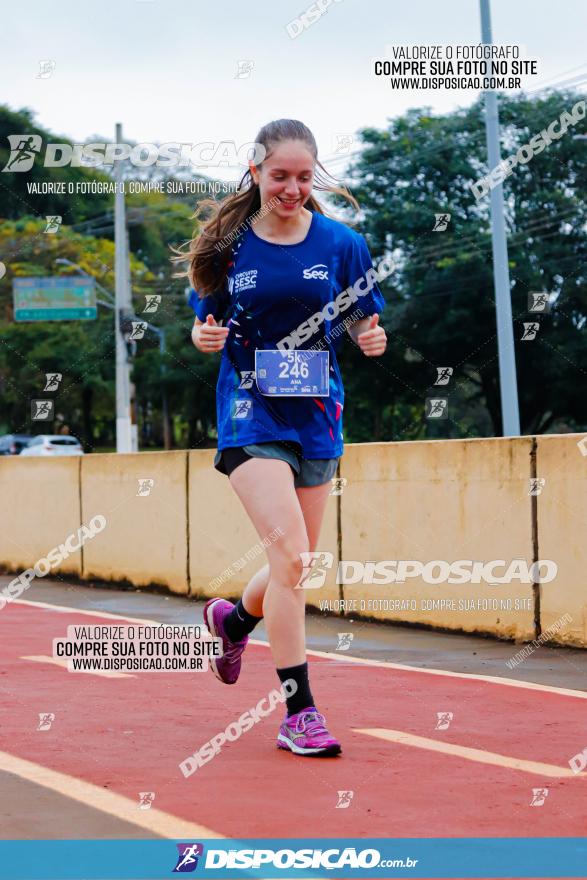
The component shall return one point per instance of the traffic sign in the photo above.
(54, 299)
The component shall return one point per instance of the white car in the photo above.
(53, 444)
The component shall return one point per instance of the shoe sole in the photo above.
(212, 630)
(327, 752)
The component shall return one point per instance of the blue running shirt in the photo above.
(270, 291)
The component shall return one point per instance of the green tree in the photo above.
(441, 303)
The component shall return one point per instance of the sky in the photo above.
(167, 69)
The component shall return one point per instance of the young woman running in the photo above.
(279, 413)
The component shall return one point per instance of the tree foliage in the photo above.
(440, 308)
(441, 304)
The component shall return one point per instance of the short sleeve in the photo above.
(214, 304)
(359, 265)
(217, 304)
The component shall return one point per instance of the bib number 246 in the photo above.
(297, 373)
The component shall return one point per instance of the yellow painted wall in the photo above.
(562, 536)
(427, 500)
(145, 539)
(39, 510)
(450, 500)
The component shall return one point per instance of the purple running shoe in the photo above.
(227, 668)
(305, 734)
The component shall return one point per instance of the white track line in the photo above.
(56, 661)
(479, 755)
(92, 796)
(492, 679)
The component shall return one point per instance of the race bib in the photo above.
(292, 373)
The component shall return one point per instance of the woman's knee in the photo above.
(287, 563)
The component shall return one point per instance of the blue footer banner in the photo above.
(334, 857)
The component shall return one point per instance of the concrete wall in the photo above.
(562, 536)
(145, 539)
(451, 500)
(431, 500)
(39, 510)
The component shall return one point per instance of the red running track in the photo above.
(130, 734)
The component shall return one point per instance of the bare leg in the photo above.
(312, 500)
(266, 490)
(254, 591)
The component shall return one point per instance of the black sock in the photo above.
(302, 698)
(239, 623)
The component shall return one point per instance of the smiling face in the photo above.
(287, 174)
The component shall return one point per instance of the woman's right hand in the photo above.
(209, 337)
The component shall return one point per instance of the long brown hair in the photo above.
(208, 253)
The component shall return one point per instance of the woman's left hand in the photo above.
(372, 341)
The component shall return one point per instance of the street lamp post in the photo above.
(501, 276)
(122, 301)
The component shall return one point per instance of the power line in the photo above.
(485, 246)
(562, 73)
(429, 151)
(435, 290)
(455, 246)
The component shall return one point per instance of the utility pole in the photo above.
(134, 426)
(122, 304)
(162, 351)
(501, 276)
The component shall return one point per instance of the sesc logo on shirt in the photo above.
(319, 272)
(275, 291)
(245, 280)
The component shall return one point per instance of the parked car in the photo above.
(53, 444)
(11, 444)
